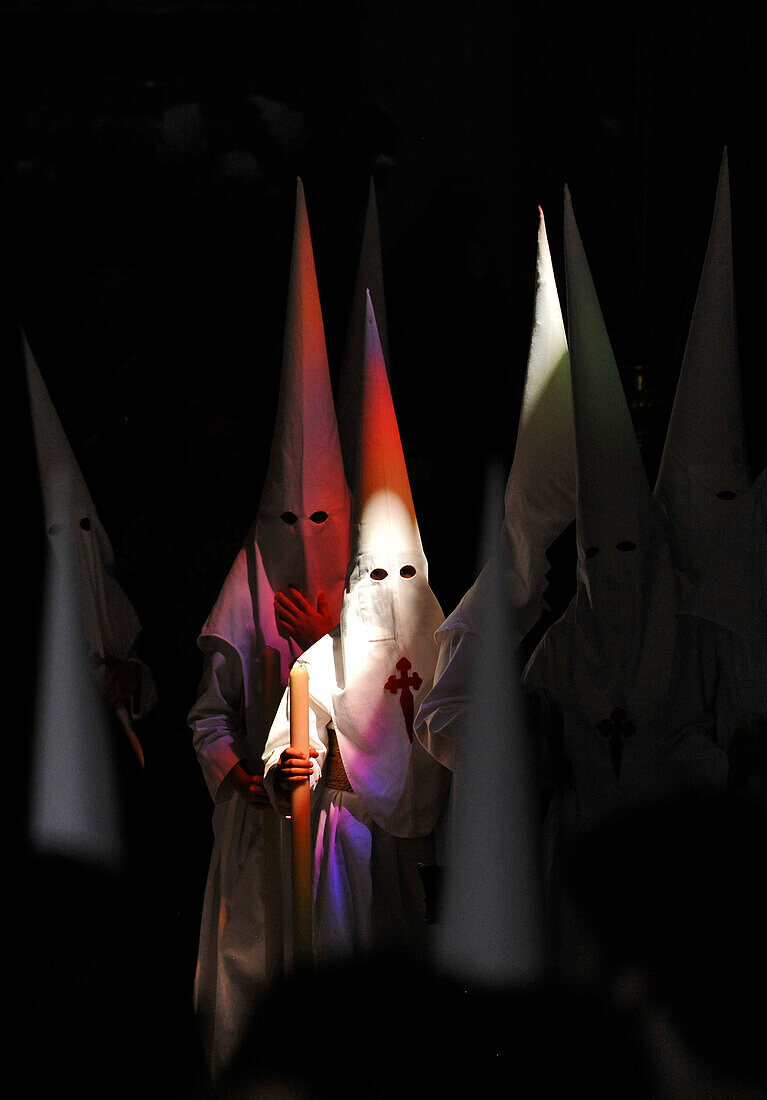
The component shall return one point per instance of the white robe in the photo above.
(367, 889)
(740, 684)
(439, 722)
(729, 607)
(231, 964)
(671, 750)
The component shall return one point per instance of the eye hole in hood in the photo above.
(625, 545)
(289, 517)
(726, 494)
(378, 574)
(407, 571)
(318, 517)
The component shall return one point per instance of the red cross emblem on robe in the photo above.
(402, 684)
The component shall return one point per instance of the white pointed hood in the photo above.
(491, 928)
(369, 279)
(301, 533)
(703, 472)
(110, 622)
(620, 628)
(540, 491)
(74, 795)
(388, 619)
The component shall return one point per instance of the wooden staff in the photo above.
(125, 722)
(300, 823)
(99, 662)
(271, 691)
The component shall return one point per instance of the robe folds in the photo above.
(438, 724)
(367, 889)
(729, 608)
(231, 963)
(597, 763)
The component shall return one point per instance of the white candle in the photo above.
(300, 822)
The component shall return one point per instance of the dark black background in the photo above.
(151, 277)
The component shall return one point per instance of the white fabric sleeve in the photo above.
(693, 747)
(279, 739)
(438, 724)
(217, 718)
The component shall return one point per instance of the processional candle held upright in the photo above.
(301, 823)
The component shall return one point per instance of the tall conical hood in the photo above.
(110, 622)
(54, 453)
(369, 279)
(613, 495)
(384, 514)
(540, 492)
(388, 619)
(491, 929)
(305, 448)
(301, 534)
(74, 802)
(703, 470)
(539, 504)
(613, 647)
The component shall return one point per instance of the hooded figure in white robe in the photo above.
(299, 541)
(371, 778)
(110, 623)
(715, 516)
(539, 504)
(609, 671)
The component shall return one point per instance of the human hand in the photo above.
(297, 619)
(294, 767)
(250, 787)
(122, 680)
